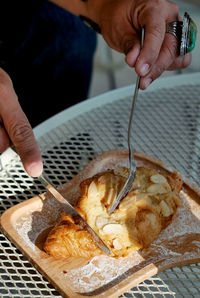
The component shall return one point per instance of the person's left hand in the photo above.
(121, 22)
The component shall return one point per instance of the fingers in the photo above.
(4, 139)
(165, 59)
(168, 59)
(21, 135)
(160, 50)
(181, 62)
(17, 128)
(133, 54)
(154, 35)
(154, 18)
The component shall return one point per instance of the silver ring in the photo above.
(175, 28)
(185, 32)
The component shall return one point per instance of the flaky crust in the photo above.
(67, 239)
(135, 224)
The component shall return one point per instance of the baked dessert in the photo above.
(135, 224)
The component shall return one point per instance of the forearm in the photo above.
(120, 22)
(90, 9)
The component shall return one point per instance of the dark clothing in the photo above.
(48, 54)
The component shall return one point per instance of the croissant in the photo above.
(135, 224)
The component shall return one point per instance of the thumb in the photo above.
(18, 128)
(22, 137)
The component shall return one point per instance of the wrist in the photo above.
(96, 10)
(90, 11)
(93, 8)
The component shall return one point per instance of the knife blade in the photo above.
(78, 219)
(68, 208)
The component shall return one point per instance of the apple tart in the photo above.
(135, 224)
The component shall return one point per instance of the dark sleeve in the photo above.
(15, 15)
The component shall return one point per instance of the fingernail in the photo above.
(147, 82)
(35, 169)
(144, 69)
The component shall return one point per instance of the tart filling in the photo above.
(135, 224)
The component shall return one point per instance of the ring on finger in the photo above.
(185, 32)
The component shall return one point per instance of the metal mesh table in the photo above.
(166, 125)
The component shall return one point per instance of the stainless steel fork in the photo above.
(132, 165)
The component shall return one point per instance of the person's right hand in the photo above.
(121, 22)
(15, 128)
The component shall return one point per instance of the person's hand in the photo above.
(121, 22)
(15, 128)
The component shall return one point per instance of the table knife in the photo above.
(78, 219)
(69, 209)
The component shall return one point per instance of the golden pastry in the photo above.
(135, 224)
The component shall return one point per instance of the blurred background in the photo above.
(111, 71)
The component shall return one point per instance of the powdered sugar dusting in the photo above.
(23, 228)
(185, 221)
(34, 221)
(178, 242)
(102, 270)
